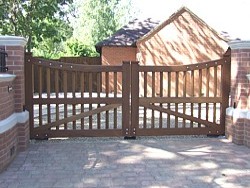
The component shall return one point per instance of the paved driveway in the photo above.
(145, 162)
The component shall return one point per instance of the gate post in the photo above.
(126, 124)
(134, 97)
(225, 80)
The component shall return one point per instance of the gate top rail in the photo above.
(177, 68)
(76, 67)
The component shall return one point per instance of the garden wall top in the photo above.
(12, 41)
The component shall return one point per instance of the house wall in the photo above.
(185, 40)
(115, 56)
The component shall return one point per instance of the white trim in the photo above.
(7, 77)
(238, 44)
(12, 120)
(238, 113)
(12, 41)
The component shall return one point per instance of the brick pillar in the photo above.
(238, 115)
(14, 121)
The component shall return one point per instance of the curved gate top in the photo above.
(74, 100)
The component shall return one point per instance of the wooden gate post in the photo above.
(226, 81)
(126, 124)
(134, 98)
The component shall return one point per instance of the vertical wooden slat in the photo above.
(215, 92)
(65, 91)
(57, 95)
(207, 91)
(107, 94)
(192, 94)
(98, 85)
(161, 95)
(184, 95)
(115, 95)
(145, 95)
(74, 95)
(40, 87)
(90, 96)
(82, 85)
(200, 94)
(153, 95)
(176, 95)
(169, 95)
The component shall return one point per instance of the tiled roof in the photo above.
(129, 34)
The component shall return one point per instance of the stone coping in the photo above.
(12, 41)
(12, 120)
(238, 44)
(238, 113)
(5, 77)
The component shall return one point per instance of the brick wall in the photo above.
(115, 56)
(14, 121)
(7, 105)
(238, 114)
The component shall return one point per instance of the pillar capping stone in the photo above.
(239, 44)
(12, 41)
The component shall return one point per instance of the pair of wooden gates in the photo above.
(129, 100)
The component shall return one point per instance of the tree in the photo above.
(35, 20)
(99, 19)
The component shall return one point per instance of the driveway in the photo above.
(147, 162)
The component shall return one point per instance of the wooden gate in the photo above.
(126, 100)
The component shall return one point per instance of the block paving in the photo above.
(148, 162)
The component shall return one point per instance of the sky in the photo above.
(232, 16)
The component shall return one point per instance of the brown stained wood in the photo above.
(145, 83)
(134, 98)
(102, 100)
(177, 114)
(78, 67)
(81, 115)
(78, 133)
(126, 80)
(82, 96)
(207, 91)
(184, 95)
(200, 95)
(115, 95)
(192, 94)
(98, 85)
(153, 95)
(181, 68)
(107, 94)
(40, 82)
(48, 80)
(169, 95)
(176, 95)
(181, 100)
(65, 91)
(90, 96)
(57, 95)
(161, 95)
(74, 95)
(40, 115)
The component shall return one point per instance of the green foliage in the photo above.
(77, 48)
(35, 20)
(99, 19)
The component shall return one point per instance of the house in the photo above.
(182, 39)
